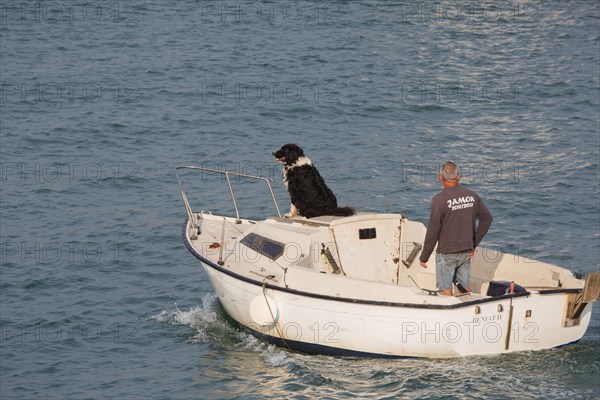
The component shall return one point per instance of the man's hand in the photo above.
(424, 265)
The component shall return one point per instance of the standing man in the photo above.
(453, 226)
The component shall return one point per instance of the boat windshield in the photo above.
(262, 245)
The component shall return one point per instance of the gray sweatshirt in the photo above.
(453, 222)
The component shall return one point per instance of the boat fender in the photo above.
(264, 311)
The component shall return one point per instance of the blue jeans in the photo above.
(447, 266)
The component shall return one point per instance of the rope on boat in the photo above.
(284, 275)
(276, 323)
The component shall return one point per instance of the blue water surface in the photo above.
(100, 101)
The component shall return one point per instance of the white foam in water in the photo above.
(273, 355)
(198, 317)
(277, 357)
(162, 317)
(202, 318)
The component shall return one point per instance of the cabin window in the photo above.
(262, 245)
(367, 233)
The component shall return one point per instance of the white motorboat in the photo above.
(352, 286)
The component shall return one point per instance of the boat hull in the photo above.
(344, 327)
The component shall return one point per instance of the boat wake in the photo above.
(209, 325)
(203, 319)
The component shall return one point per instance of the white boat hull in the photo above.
(343, 327)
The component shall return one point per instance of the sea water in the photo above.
(102, 100)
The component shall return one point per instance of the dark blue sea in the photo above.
(101, 100)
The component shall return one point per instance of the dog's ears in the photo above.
(295, 150)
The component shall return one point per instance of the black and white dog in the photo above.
(309, 194)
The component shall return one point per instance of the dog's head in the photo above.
(288, 153)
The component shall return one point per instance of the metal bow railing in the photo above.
(227, 175)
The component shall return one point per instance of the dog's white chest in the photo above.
(285, 177)
(299, 163)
